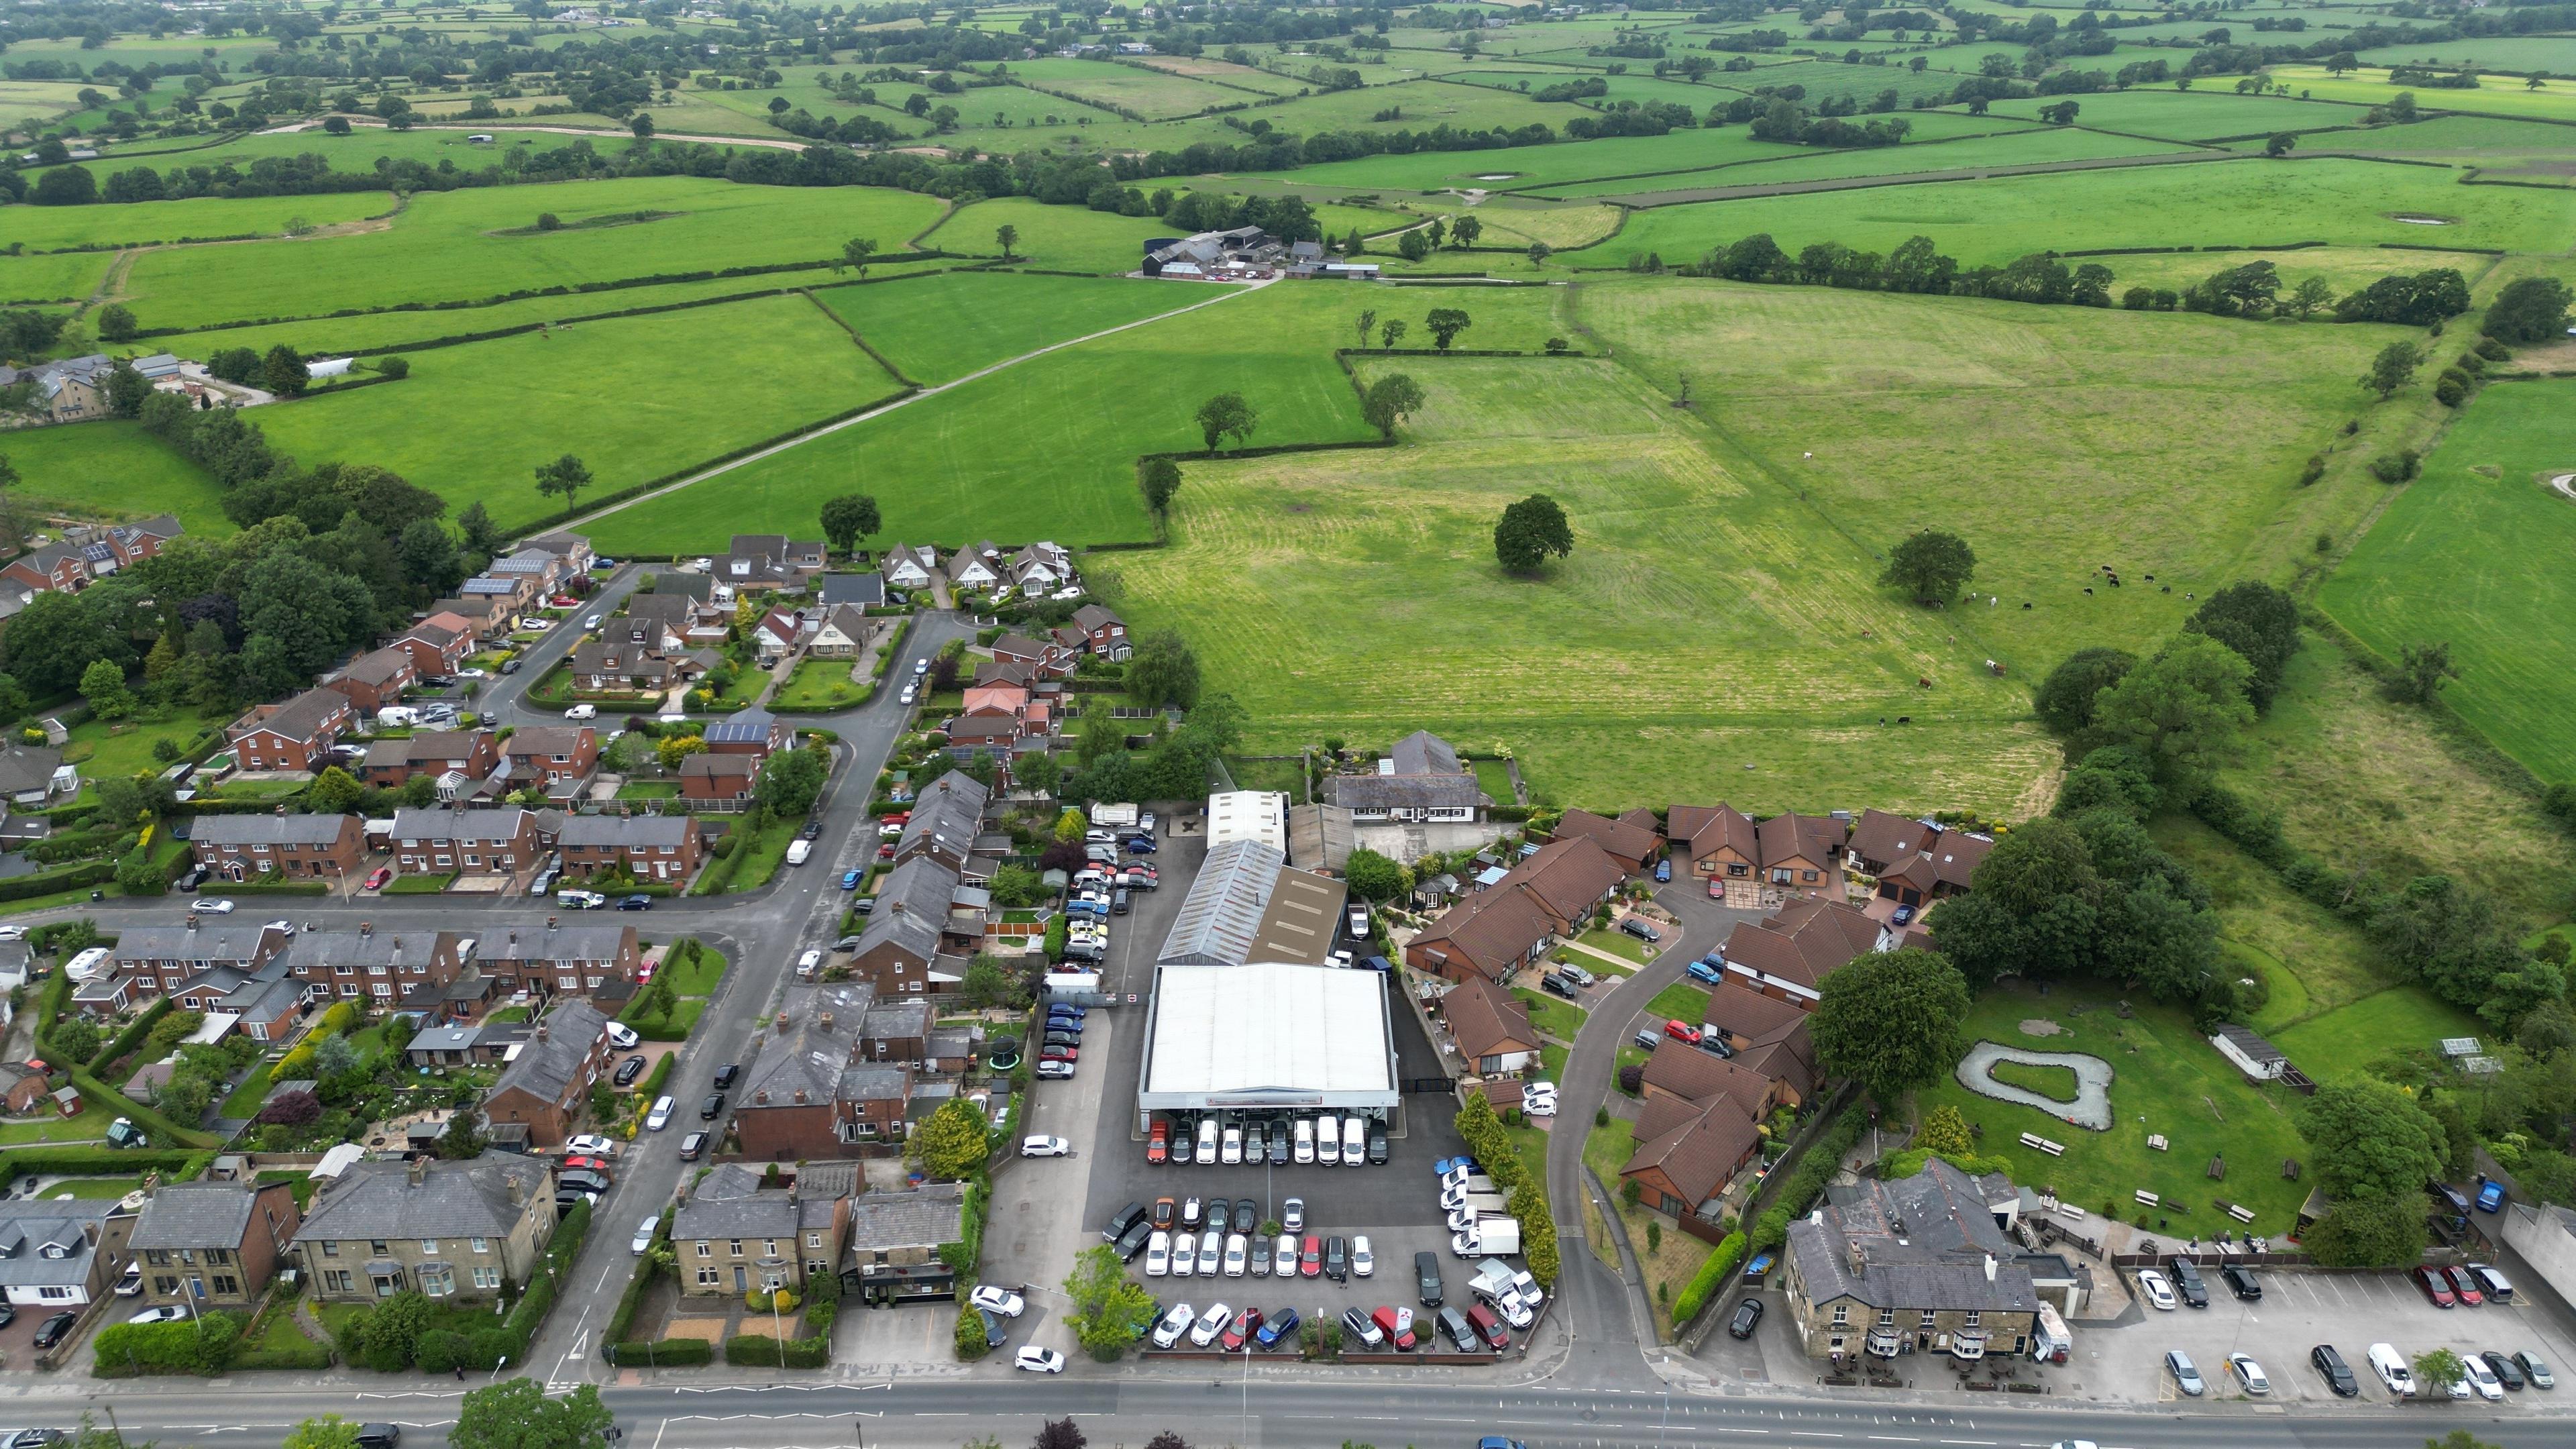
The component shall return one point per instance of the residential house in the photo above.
(900, 1031)
(214, 1245)
(1421, 779)
(658, 849)
(573, 548)
(448, 1229)
(734, 1236)
(777, 635)
(654, 622)
(1511, 923)
(518, 591)
(1041, 569)
(1790, 954)
(1927, 1257)
(293, 736)
(894, 1243)
(535, 568)
(753, 732)
(58, 1253)
(54, 568)
(438, 646)
(910, 566)
(1491, 1027)
(1768, 1036)
(1686, 1153)
(384, 966)
(546, 1086)
(1049, 659)
(915, 922)
(570, 959)
(970, 569)
(558, 759)
(769, 561)
(458, 759)
(472, 1043)
(841, 632)
(1682, 1072)
(150, 961)
(1916, 861)
(475, 842)
(994, 737)
(376, 679)
(88, 553)
(1803, 854)
(803, 1096)
(1631, 843)
(945, 821)
(71, 390)
(1720, 842)
(860, 591)
(603, 666)
(294, 847)
(711, 778)
(1003, 671)
(486, 616)
(1103, 632)
(35, 774)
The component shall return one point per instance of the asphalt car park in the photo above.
(2297, 1311)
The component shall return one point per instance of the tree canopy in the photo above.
(1891, 1020)
(2368, 1139)
(2182, 710)
(1372, 876)
(1391, 399)
(2529, 309)
(953, 1141)
(1932, 566)
(2260, 623)
(516, 1414)
(1162, 671)
(1226, 415)
(1530, 532)
(2065, 699)
(849, 518)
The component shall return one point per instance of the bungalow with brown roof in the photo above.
(1623, 839)
(719, 779)
(1510, 924)
(1767, 1035)
(1687, 1073)
(1491, 1027)
(1686, 1152)
(1719, 841)
(1803, 853)
(293, 735)
(1916, 861)
(1790, 954)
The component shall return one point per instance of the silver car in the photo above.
(1211, 1250)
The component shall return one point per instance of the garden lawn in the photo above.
(90, 1125)
(472, 421)
(450, 246)
(94, 1187)
(943, 327)
(1617, 943)
(1675, 1256)
(1047, 448)
(2251, 202)
(112, 467)
(418, 885)
(1552, 1016)
(2340, 1045)
(2167, 1080)
(700, 977)
(819, 684)
(758, 854)
(2511, 621)
(1684, 1001)
(113, 751)
(246, 1099)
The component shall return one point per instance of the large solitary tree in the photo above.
(849, 518)
(2371, 1140)
(1445, 324)
(1933, 566)
(2393, 368)
(1226, 415)
(2529, 309)
(1161, 482)
(1891, 1020)
(1532, 531)
(2260, 623)
(516, 1414)
(565, 477)
(1391, 400)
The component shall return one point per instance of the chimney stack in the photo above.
(760, 1098)
(192, 920)
(824, 1021)
(419, 1170)
(366, 928)
(541, 1031)
(1990, 1267)
(518, 1191)
(800, 1096)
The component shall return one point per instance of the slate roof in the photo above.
(1427, 776)
(322, 950)
(925, 1217)
(25, 768)
(550, 1070)
(808, 1056)
(195, 1215)
(426, 747)
(632, 832)
(731, 1203)
(565, 942)
(453, 1199)
(873, 1084)
(211, 939)
(2255, 1048)
(950, 810)
(270, 829)
(1914, 1243)
(912, 905)
(865, 590)
(301, 717)
(462, 826)
(28, 1226)
(898, 1021)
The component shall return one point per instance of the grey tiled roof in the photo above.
(323, 950)
(629, 831)
(950, 810)
(195, 1215)
(211, 939)
(873, 1084)
(453, 1200)
(731, 1203)
(912, 903)
(897, 1020)
(924, 1217)
(1926, 1241)
(568, 942)
(270, 829)
(29, 1227)
(549, 1069)
(807, 1056)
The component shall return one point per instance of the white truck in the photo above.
(1517, 1279)
(1475, 1207)
(1487, 1236)
(1461, 1185)
(799, 851)
(1113, 817)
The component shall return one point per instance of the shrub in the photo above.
(1712, 1276)
(970, 1333)
(2315, 469)
(2398, 467)
(668, 1353)
(201, 1346)
(2452, 388)
(440, 1350)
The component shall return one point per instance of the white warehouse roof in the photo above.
(1269, 1035)
(1260, 815)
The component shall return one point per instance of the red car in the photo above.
(886, 851)
(1158, 1148)
(1396, 1324)
(1060, 1054)
(376, 878)
(2464, 1286)
(2436, 1287)
(563, 601)
(1237, 1333)
(587, 1164)
(1310, 1257)
(902, 817)
(1682, 1031)
(1488, 1327)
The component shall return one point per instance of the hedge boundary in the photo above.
(1711, 1276)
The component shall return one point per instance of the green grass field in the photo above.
(2340, 1045)
(2190, 115)
(942, 328)
(2237, 203)
(2167, 1081)
(67, 277)
(2484, 496)
(2519, 55)
(2555, 100)
(445, 246)
(1058, 238)
(140, 223)
(1151, 93)
(472, 421)
(2012, 148)
(113, 467)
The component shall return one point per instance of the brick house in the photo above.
(479, 842)
(485, 616)
(1916, 861)
(1928, 1258)
(663, 849)
(567, 959)
(557, 759)
(814, 1089)
(437, 645)
(573, 548)
(912, 927)
(753, 732)
(733, 1235)
(712, 778)
(1511, 923)
(1686, 1152)
(1631, 843)
(376, 679)
(474, 754)
(1768, 1036)
(382, 966)
(1803, 854)
(1105, 632)
(293, 735)
(1789, 955)
(1050, 659)
(1678, 1071)
(945, 821)
(448, 1229)
(56, 568)
(547, 1085)
(214, 1244)
(297, 847)
(1491, 1027)
(602, 666)
(150, 961)
(1719, 841)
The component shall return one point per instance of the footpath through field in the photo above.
(907, 399)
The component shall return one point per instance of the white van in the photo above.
(1305, 1139)
(580, 900)
(799, 851)
(1205, 1154)
(1354, 1142)
(1328, 1142)
(2390, 1365)
(582, 711)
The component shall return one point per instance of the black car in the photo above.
(2338, 1374)
(1220, 1212)
(1119, 1222)
(379, 1436)
(1337, 1259)
(1426, 1276)
(8, 1314)
(692, 1145)
(2507, 1372)
(1246, 1215)
(712, 1108)
(1747, 1314)
(2240, 1281)
(725, 1075)
(636, 903)
(1557, 984)
(1132, 1242)
(2186, 1276)
(1279, 1145)
(628, 1070)
(577, 1180)
(53, 1329)
(1063, 1038)
(997, 1329)
(1377, 1147)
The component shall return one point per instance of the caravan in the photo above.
(2052, 1343)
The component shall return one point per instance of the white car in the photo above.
(908, 693)
(1205, 1153)
(620, 1036)
(644, 1234)
(1039, 1360)
(1211, 1249)
(1158, 1254)
(1514, 1311)
(809, 963)
(1292, 1215)
(473, 674)
(2482, 1378)
(1045, 1147)
(1174, 1324)
(537, 626)
(659, 1117)
(1363, 1262)
(1238, 1249)
(585, 1144)
(594, 621)
(1283, 1258)
(13, 933)
(173, 1313)
(2250, 1374)
(1056, 1071)
(704, 565)
(999, 1300)
(211, 907)
(1231, 1154)
(2157, 1291)
(1185, 1254)
(1538, 1106)
(1210, 1324)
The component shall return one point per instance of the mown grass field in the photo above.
(1706, 623)
(1059, 238)
(2509, 616)
(2012, 148)
(2555, 100)
(1151, 93)
(444, 247)
(112, 467)
(473, 421)
(141, 223)
(64, 277)
(1048, 448)
(941, 328)
(2160, 444)
(2167, 1080)
(2235, 203)
(2189, 115)
(2340, 1045)
(2518, 54)
(2346, 269)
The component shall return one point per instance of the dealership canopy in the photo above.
(1269, 1035)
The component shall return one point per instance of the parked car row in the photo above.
(1232, 1139)
(1247, 1330)
(1567, 980)
(2489, 1375)
(1060, 1046)
(2463, 1286)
